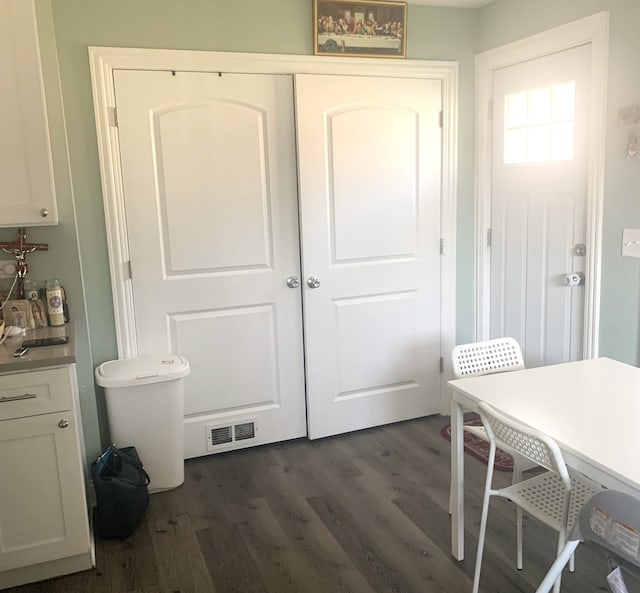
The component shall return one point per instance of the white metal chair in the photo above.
(554, 497)
(611, 519)
(484, 358)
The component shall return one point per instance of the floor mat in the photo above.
(479, 448)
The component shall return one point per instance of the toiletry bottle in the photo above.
(54, 303)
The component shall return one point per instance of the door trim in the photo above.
(104, 60)
(592, 30)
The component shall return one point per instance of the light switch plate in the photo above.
(631, 242)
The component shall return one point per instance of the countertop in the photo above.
(44, 356)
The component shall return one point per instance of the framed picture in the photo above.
(26, 314)
(37, 313)
(17, 313)
(372, 29)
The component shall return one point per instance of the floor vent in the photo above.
(223, 436)
(245, 431)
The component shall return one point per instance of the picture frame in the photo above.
(374, 28)
(37, 314)
(26, 314)
(16, 313)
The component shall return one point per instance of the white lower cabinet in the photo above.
(44, 528)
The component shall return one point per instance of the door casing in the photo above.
(593, 30)
(104, 60)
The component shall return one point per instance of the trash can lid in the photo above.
(151, 368)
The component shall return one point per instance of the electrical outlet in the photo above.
(7, 269)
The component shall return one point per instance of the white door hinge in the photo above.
(113, 117)
(441, 119)
(441, 246)
(127, 269)
(489, 237)
(490, 111)
(441, 364)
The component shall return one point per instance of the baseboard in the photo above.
(45, 570)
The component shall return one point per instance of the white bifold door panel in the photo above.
(538, 212)
(209, 171)
(369, 167)
(215, 206)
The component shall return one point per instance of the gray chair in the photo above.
(554, 497)
(611, 519)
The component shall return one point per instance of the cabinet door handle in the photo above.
(15, 398)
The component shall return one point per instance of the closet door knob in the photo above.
(63, 423)
(44, 212)
(293, 282)
(313, 282)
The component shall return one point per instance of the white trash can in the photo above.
(145, 407)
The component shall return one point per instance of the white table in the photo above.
(591, 408)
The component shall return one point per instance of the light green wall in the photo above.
(78, 252)
(78, 248)
(62, 260)
(504, 21)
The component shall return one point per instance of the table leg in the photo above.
(457, 481)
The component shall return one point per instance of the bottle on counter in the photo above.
(54, 303)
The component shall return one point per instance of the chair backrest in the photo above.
(484, 358)
(611, 519)
(527, 441)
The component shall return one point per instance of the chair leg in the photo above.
(556, 568)
(517, 477)
(561, 548)
(483, 520)
(519, 538)
(517, 469)
(481, 537)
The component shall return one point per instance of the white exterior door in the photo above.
(209, 172)
(369, 168)
(538, 205)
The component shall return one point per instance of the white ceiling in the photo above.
(453, 3)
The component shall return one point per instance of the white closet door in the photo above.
(209, 173)
(369, 176)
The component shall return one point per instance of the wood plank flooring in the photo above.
(364, 512)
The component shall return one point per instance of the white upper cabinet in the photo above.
(27, 193)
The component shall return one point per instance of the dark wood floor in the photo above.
(364, 512)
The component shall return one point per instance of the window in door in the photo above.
(539, 124)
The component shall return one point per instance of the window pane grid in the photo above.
(539, 124)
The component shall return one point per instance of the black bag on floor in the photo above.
(122, 495)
